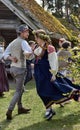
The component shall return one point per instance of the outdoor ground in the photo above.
(66, 118)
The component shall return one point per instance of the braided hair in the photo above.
(42, 35)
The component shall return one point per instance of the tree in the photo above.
(62, 7)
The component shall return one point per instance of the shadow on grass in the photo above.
(69, 122)
(4, 124)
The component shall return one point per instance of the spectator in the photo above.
(64, 57)
(4, 85)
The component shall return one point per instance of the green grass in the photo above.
(67, 118)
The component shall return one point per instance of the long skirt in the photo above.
(4, 84)
(58, 91)
(61, 90)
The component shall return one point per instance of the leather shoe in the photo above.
(1, 94)
(9, 115)
(23, 110)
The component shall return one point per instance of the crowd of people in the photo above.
(52, 84)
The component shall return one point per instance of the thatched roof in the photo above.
(41, 17)
(36, 17)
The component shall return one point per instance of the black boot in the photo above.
(1, 94)
(9, 115)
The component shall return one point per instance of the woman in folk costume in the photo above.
(49, 88)
(4, 85)
(64, 60)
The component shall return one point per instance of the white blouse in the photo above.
(52, 58)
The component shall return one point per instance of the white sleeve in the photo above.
(26, 47)
(38, 51)
(7, 52)
(53, 61)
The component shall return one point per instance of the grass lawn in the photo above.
(66, 118)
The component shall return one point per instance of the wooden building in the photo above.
(16, 12)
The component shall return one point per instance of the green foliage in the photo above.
(74, 40)
(75, 66)
(75, 21)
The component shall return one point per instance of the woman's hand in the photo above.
(53, 78)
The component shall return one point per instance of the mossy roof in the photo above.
(48, 21)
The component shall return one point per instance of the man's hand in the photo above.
(13, 59)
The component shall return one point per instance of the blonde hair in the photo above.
(42, 35)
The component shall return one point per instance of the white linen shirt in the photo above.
(18, 48)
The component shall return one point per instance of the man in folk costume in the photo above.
(17, 51)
